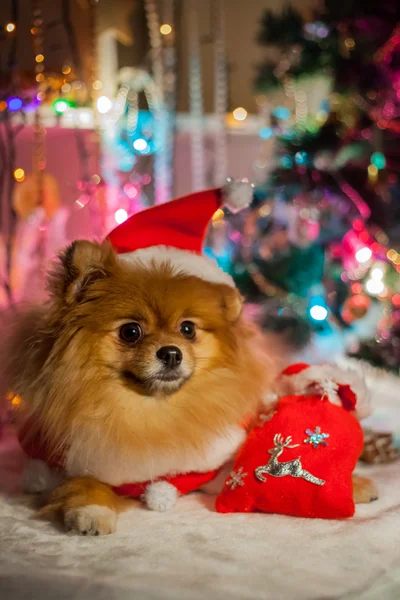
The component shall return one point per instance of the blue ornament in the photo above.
(316, 438)
(265, 133)
(142, 136)
(286, 162)
(301, 158)
(223, 257)
(281, 112)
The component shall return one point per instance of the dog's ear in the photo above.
(231, 303)
(79, 266)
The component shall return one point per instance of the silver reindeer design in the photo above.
(293, 468)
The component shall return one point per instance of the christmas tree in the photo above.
(319, 245)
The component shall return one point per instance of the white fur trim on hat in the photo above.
(325, 379)
(181, 261)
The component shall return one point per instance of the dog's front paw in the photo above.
(160, 496)
(84, 505)
(364, 490)
(91, 520)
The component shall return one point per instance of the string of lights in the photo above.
(220, 95)
(8, 133)
(196, 100)
(162, 160)
(39, 131)
(168, 31)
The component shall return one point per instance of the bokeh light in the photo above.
(104, 105)
(165, 29)
(120, 216)
(363, 254)
(240, 113)
(19, 175)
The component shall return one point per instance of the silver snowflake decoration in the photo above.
(236, 479)
(328, 388)
(316, 438)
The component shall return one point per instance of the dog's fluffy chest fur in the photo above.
(109, 465)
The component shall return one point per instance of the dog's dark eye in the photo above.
(188, 330)
(131, 333)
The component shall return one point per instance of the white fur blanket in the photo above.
(192, 553)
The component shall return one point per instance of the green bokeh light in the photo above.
(378, 159)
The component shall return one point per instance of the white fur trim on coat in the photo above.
(183, 262)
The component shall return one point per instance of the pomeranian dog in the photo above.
(133, 371)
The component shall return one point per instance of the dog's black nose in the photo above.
(171, 356)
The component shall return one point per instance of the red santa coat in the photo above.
(34, 446)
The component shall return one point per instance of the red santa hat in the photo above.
(175, 231)
(343, 387)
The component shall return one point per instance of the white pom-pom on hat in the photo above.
(237, 194)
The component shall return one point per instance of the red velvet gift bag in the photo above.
(297, 461)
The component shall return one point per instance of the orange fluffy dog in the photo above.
(140, 369)
(133, 372)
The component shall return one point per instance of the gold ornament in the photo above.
(355, 307)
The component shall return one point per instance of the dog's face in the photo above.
(164, 330)
(149, 329)
(156, 352)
